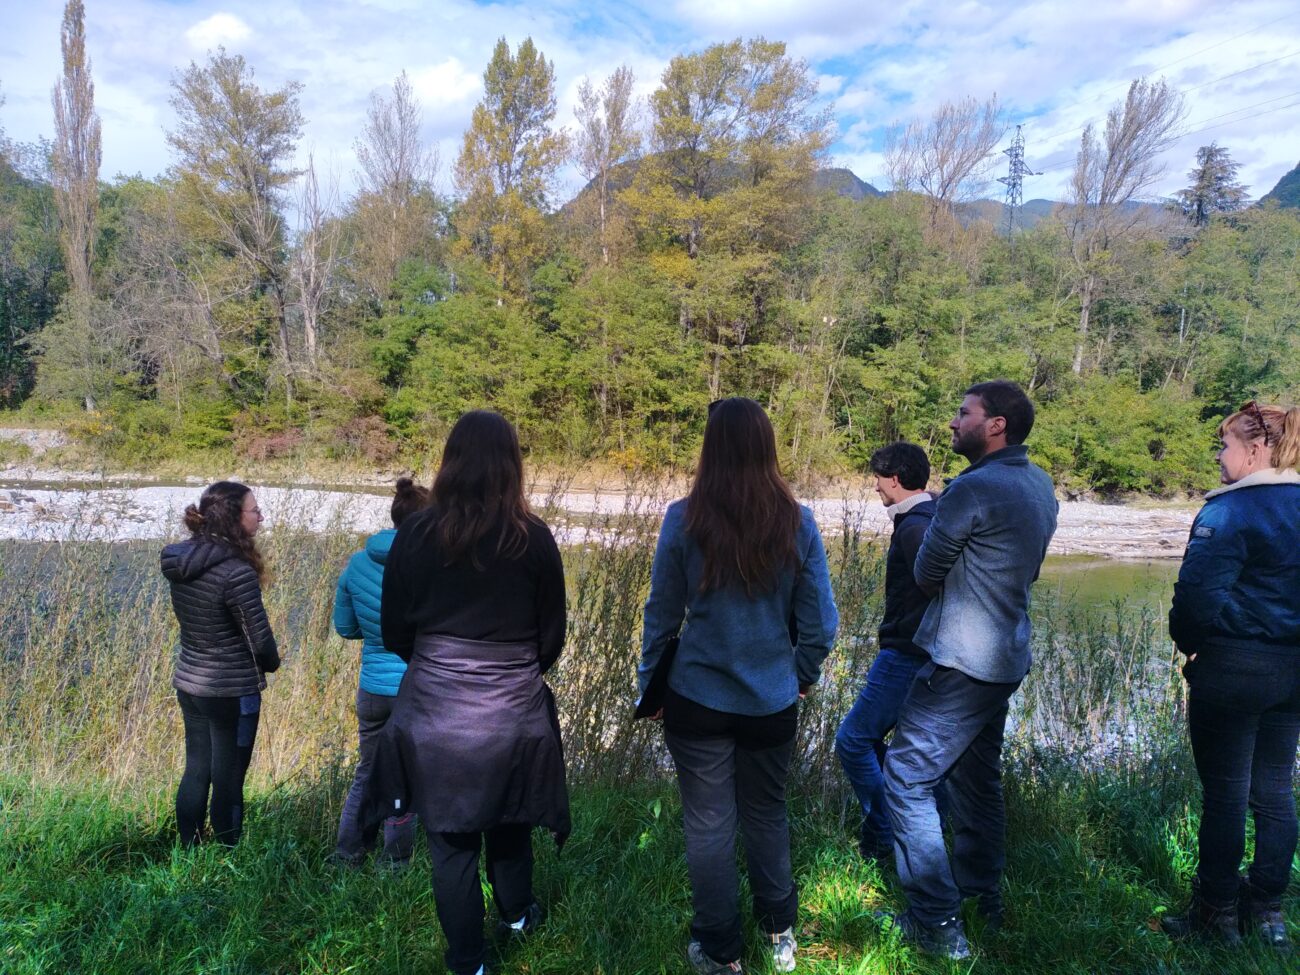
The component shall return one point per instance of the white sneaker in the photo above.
(783, 949)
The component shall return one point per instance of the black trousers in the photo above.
(458, 895)
(219, 736)
(1243, 713)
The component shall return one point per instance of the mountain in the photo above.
(844, 182)
(1287, 191)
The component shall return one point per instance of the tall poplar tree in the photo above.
(76, 157)
(507, 164)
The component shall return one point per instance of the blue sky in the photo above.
(1055, 66)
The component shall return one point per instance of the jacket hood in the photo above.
(187, 560)
(379, 544)
(1270, 476)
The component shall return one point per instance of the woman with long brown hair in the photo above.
(473, 600)
(740, 580)
(226, 649)
(1236, 617)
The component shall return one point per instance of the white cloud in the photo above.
(446, 84)
(1055, 64)
(217, 30)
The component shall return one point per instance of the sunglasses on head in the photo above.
(1252, 410)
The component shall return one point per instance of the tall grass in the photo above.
(1100, 790)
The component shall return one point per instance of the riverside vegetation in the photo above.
(229, 311)
(1100, 789)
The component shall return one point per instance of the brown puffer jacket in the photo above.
(226, 640)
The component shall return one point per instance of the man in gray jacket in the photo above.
(980, 555)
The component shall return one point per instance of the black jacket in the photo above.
(904, 602)
(226, 641)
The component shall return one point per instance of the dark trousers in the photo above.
(399, 832)
(219, 736)
(458, 895)
(1243, 715)
(730, 769)
(949, 732)
(860, 741)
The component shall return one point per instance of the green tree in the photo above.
(32, 280)
(1214, 186)
(607, 137)
(507, 163)
(396, 215)
(1110, 173)
(234, 143)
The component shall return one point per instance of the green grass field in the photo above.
(1102, 799)
(93, 884)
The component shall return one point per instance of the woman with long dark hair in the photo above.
(473, 600)
(1236, 616)
(226, 649)
(356, 617)
(740, 579)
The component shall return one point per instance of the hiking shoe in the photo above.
(989, 911)
(704, 965)
(524, 926)
(783, 949)
(947, 940)
(1204, 920)
(1263, 917)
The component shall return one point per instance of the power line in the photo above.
(1219, 125)
(1206, 50)
(1262, 64)
(1186, 91)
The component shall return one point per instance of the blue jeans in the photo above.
(1243, 713)
(860, 742)
(949, 733)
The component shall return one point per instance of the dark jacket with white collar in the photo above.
(1239, 584)
(905, 604)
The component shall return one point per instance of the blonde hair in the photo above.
(1278, 427)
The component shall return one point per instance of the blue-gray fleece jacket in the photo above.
(735, 652)
(1239, 585)
(980, 555)
(356, 615)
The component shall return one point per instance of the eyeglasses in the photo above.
(1252, 409)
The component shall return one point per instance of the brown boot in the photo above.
(1263, 916)
(1202, 920)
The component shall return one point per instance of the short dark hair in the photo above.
(1002, 397)
(905, 461)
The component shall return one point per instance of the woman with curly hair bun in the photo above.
(226, 649)
(1236, 617)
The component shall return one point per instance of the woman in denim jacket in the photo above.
(1236, 616)
(740, 577)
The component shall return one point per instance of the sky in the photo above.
(1055, 65)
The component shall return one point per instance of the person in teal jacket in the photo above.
(356, 617)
